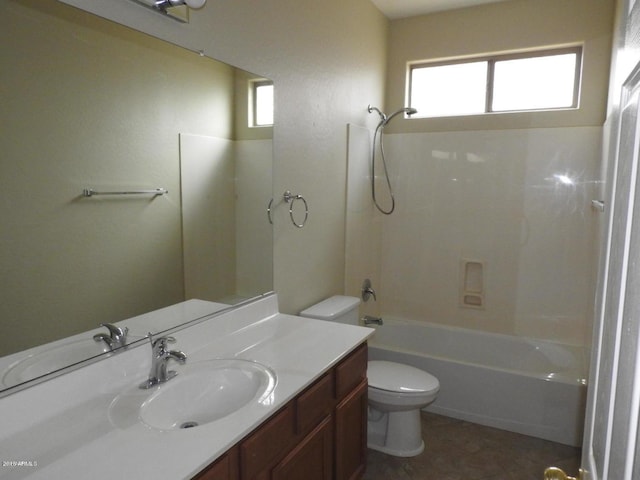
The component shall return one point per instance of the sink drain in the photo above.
(189, 425)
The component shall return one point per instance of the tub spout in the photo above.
(369, 320)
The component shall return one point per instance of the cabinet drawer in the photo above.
(351, 371)
(315, 403)
(263, 447)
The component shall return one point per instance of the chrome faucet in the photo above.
(369, 320)
(116, 338)
(368, 291)
(160, 356)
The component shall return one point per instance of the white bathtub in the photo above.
(522, 385)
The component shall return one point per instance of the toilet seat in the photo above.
(402, 379)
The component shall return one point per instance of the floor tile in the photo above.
(457, 450)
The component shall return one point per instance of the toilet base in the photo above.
(396, 453)
(395, 433)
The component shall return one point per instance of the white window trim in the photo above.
(491, 60)
(253, 114)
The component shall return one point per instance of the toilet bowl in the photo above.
(396, 392)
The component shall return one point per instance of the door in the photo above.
(610, 446)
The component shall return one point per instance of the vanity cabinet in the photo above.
(351, 434)
(319, 435)
(224, 468)
(311, 459)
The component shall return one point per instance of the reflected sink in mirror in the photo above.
(201, 393)
(42, 363)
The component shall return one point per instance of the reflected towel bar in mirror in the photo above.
(88, 192)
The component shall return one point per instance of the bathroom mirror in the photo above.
(90, 104)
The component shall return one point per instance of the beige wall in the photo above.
(504, 27)
(88, 104)
(327, 60)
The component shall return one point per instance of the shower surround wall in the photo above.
(517, 200)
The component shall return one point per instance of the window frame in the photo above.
(491, 62)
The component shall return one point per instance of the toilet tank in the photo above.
(338, 308)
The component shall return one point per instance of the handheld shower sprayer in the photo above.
(384, 119)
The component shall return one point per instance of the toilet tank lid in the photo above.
(396, 377)
(331, 307)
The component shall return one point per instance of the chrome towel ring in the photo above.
(290, 199)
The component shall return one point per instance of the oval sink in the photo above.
(206, 391)
(52, 359)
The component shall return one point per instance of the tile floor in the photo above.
(458, 450)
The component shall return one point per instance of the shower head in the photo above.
(407, 111)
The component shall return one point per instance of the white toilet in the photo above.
(396, 392)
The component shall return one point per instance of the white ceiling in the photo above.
(408, 8)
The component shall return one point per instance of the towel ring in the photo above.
(290, 199)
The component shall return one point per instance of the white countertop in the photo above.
(63, 425)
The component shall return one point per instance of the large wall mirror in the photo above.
(87, 103)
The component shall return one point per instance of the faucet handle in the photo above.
(160, 344)
(368, 291)
(163, 341)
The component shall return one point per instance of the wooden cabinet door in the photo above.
(265, 446)
(312, 459)
(351, 434)
(225, 468)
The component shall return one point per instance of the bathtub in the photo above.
(527, 386)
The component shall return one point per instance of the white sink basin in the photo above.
(52, 359)
(201, 393)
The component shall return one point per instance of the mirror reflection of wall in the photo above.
(89, 103)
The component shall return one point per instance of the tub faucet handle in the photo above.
(368, 291)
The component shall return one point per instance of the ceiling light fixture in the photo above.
(176, 9)
(164, 4)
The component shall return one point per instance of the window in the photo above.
(531, 81)
(261, 106)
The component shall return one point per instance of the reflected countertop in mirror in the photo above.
(88, 103)
(32, 364)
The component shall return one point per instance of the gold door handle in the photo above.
(554, 473)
